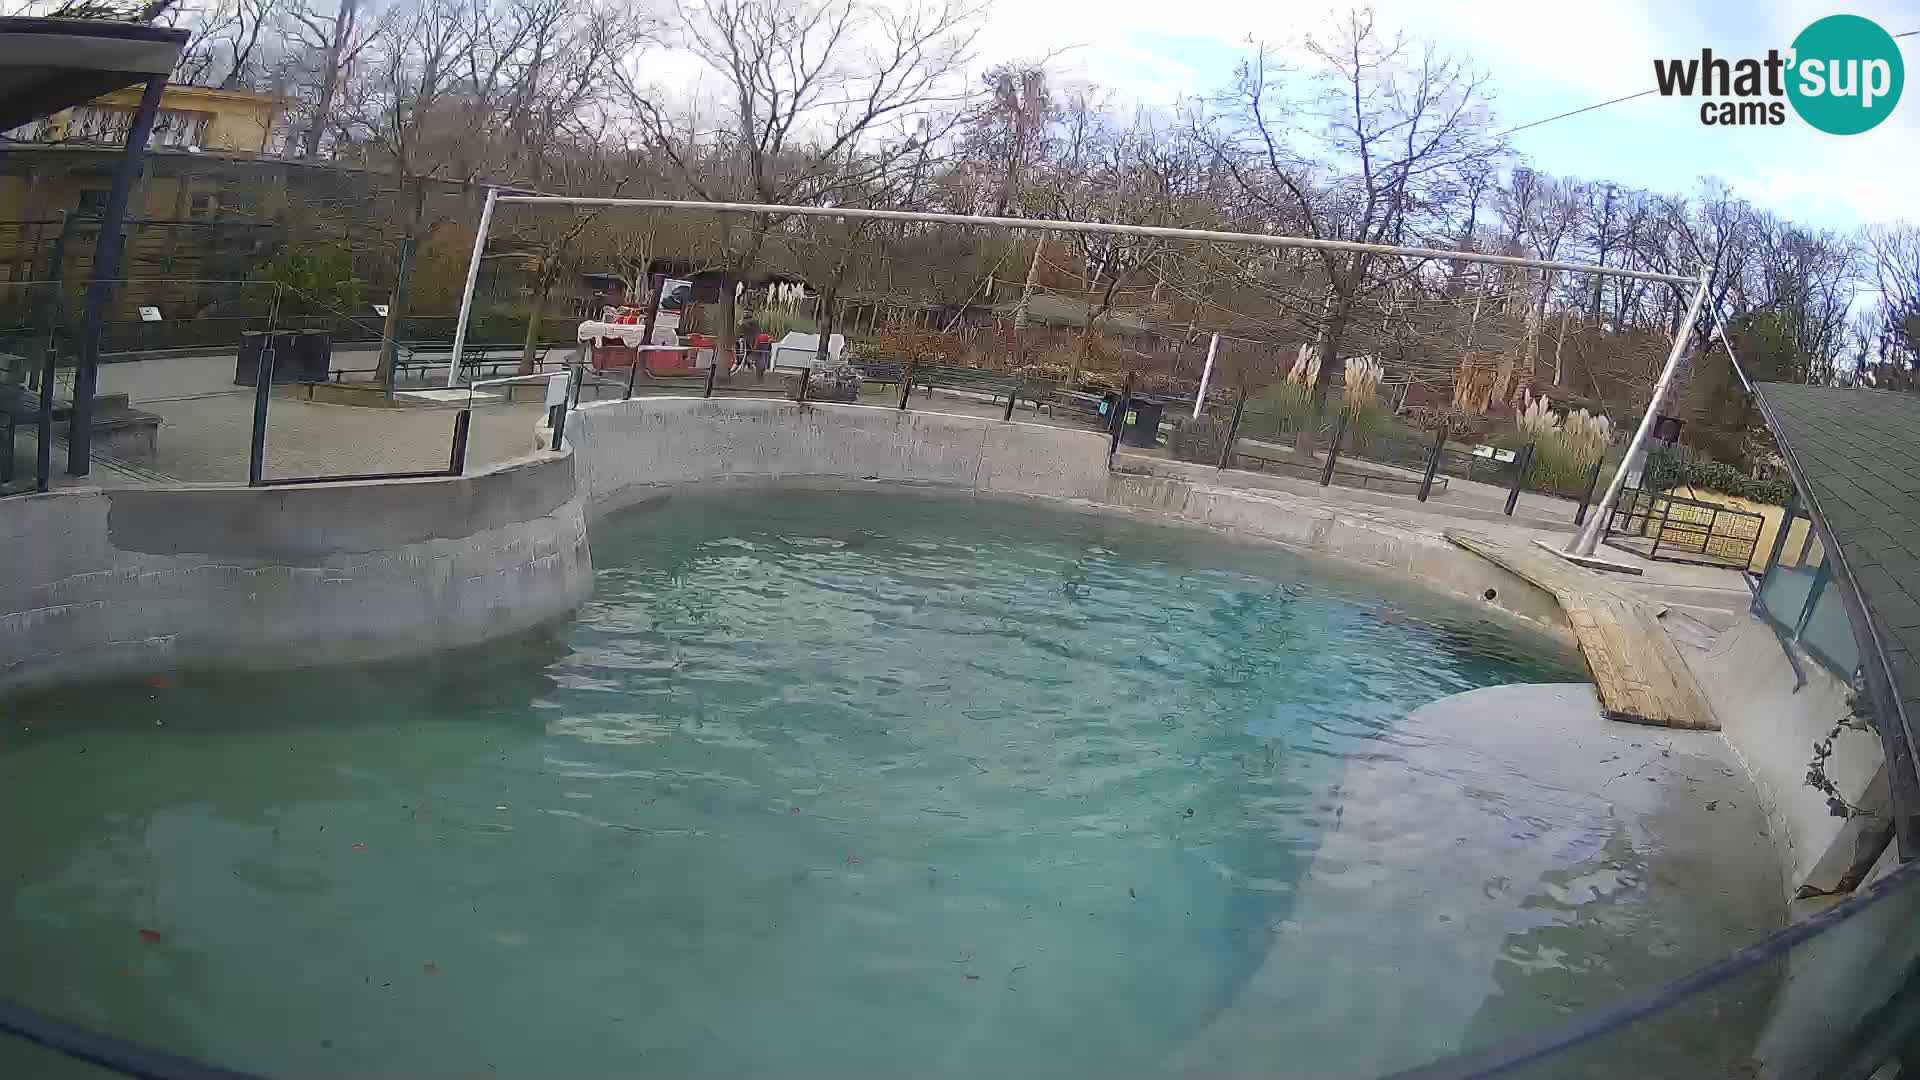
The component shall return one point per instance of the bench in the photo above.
(478, 361)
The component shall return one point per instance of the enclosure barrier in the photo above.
(1661, 525)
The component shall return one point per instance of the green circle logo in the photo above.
(1846, 74)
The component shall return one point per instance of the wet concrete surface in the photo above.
(1513, 858)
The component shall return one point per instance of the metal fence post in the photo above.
(806, 374)
(1521, 463)
(1333, 448)
(457, 463)
(1117, 423)
(106, 271)
(906, 385)
(656, 285)
(1013, 393)
(1433, 462)
(43, 454)
(1233, 431)
(713, 369)
(262, 391)
(1586, 496)
(1665, 512)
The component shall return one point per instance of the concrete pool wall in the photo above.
(629, 449)
(632, 450)
(101, 583)
(104, 583)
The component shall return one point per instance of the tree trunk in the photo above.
(330, 77)
(397, 303)
(1026, 290)
(824, 326)
(533, 326)
(1333, 328)
(396, 311)
(724, 335)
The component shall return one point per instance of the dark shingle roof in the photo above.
(1858, 451)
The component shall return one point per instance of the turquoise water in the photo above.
(817, 785)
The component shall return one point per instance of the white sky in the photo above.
(1544, 59)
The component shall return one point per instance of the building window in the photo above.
(94, 202)
(202, 207)
(1800, 598)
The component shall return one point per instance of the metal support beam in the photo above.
(1206, 374)
(473, 279)
(106, 269)
(1091, 227)
(1587, 540)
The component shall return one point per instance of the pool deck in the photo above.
(1642, 677)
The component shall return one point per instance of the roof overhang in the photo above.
(51, 64)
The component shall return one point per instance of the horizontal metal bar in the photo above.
(1100, 227)
(290, 481)
(538, 376)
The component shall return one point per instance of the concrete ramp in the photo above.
(1641, 675)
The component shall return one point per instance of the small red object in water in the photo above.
(159, 682)
(852, 859)
(359, 847)
(149, 936)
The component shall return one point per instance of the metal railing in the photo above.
(1658, 525)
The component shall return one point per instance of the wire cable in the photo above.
(1576, 112)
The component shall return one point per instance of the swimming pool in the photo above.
(829, 784)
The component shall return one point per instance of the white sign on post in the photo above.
(380, 310)
(557, 389)
(150, 314)
(1495, 453)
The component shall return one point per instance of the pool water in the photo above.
(853, 784)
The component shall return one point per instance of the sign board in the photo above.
(1494, 453)
(380, 310)
(675, 293)
(557, 389)
(150, 314)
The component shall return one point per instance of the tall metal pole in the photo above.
(473, 279)
(1587, 540)
(1206, 375)
(106, 268)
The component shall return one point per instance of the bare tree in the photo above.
(1893, 324)
(330, 44)
(822, 97)
(1372, 153)
(225, 46)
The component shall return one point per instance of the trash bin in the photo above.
(312, 358)
(1143, 421)
(306, 356)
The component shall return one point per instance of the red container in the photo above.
(612, 355)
